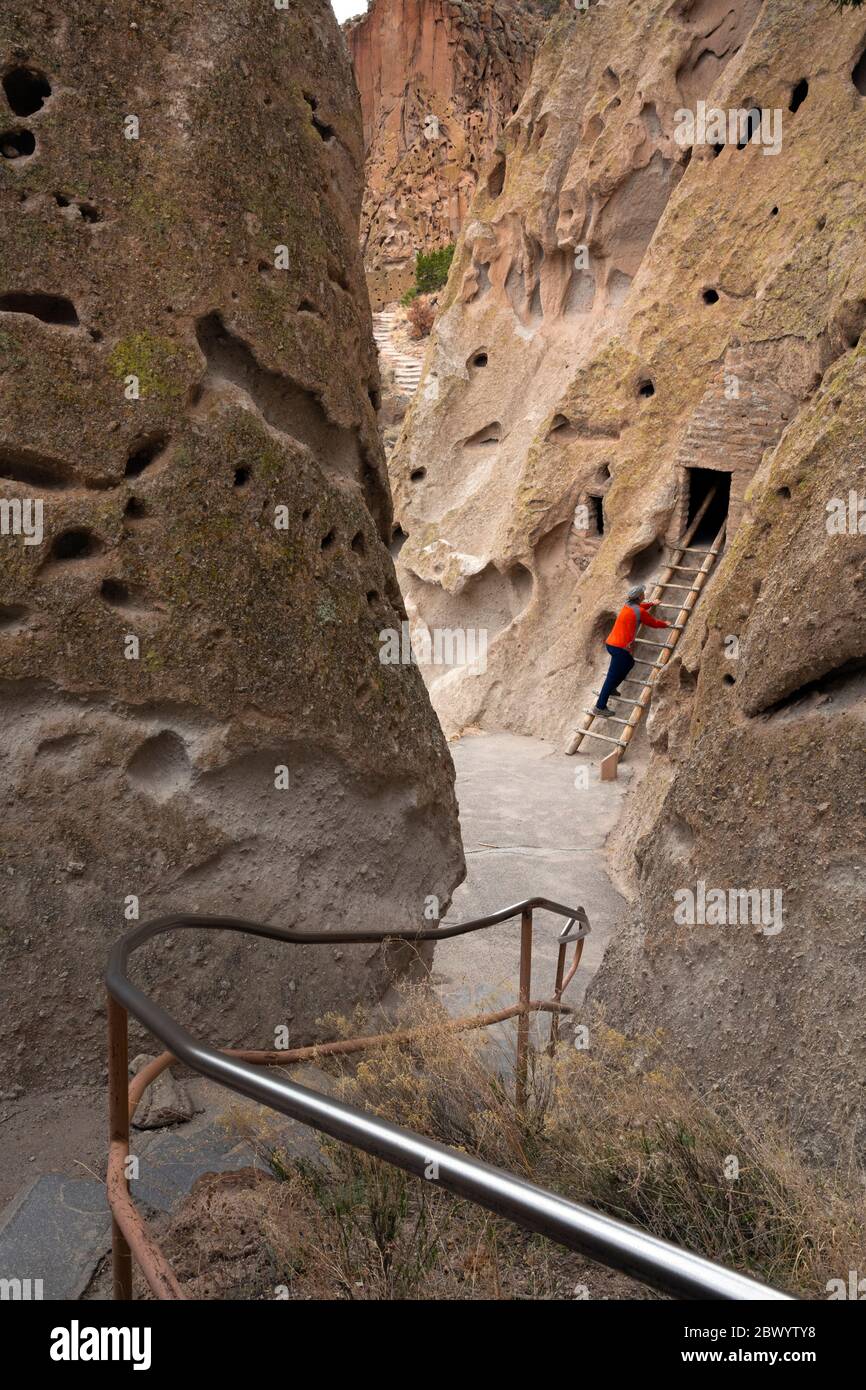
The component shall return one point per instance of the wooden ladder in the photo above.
(668, 586)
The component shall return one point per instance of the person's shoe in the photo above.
(597, 709)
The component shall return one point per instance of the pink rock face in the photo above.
(438, 80)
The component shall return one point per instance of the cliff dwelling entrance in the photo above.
(698, 482)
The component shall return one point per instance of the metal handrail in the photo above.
(655, 1262)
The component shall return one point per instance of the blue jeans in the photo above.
(621, 663)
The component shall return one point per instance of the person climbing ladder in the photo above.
(620, 641)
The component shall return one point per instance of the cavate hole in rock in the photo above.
(131, 598)
(117, 593)
(562, 428)
(85, 210)
(521, 581)
(327, 541)
(710, 296)
(144, 453)
(644, 564)
(496, 178)
(242, 476)
(26, 90)
(799, 95)
(324, 130)
(160, 766)
(75, 544)
(359, 545)
(489, 434)
(478, 360)
(48, 308)
(858, 75)
(135, 509)
(372, 596)
(417, 474)
(375, 398)
(398, 540)
(728, 680)
(700, 481)
(13, 617)
(748, 128)
(646, 388)
(596, 506)
(602, 626)
(20, 466)
(17, 144)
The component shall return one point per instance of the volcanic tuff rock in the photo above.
(166, 387)
(438, 80)
(715, 326)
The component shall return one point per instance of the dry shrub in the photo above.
(610, 1126)
(421, 313)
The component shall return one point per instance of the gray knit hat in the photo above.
(635, 592)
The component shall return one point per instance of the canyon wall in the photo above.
(629, 310)
(438, 79)
(194, 713)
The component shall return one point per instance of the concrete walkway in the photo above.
(530, 828)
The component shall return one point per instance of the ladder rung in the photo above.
(648, 642)
(686, 569)
(620, 700)
(699, 550)
(605, 738)
(614, 717)
(677, 607)
(687, 588)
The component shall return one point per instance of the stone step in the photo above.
(57, 1228)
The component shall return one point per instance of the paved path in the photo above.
(528, 830)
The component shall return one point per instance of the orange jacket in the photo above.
(623, 632)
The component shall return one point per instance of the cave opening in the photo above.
(596, 505)
(799, 95)
(48, 308)
(76, 544)
(17, 144)
(700, 482)
(143, 455)
(26, 90)
(858, 75)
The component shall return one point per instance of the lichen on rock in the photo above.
(193, 706)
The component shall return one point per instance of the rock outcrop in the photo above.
(194, 712)
(628, 311)
(438, 80)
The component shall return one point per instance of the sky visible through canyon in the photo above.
(345, 9)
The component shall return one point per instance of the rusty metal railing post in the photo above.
(522, 1069)
(557, 995)
(118, 1113)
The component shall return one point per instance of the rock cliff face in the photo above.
(627, 312)
(438, 80)
(194, 713)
